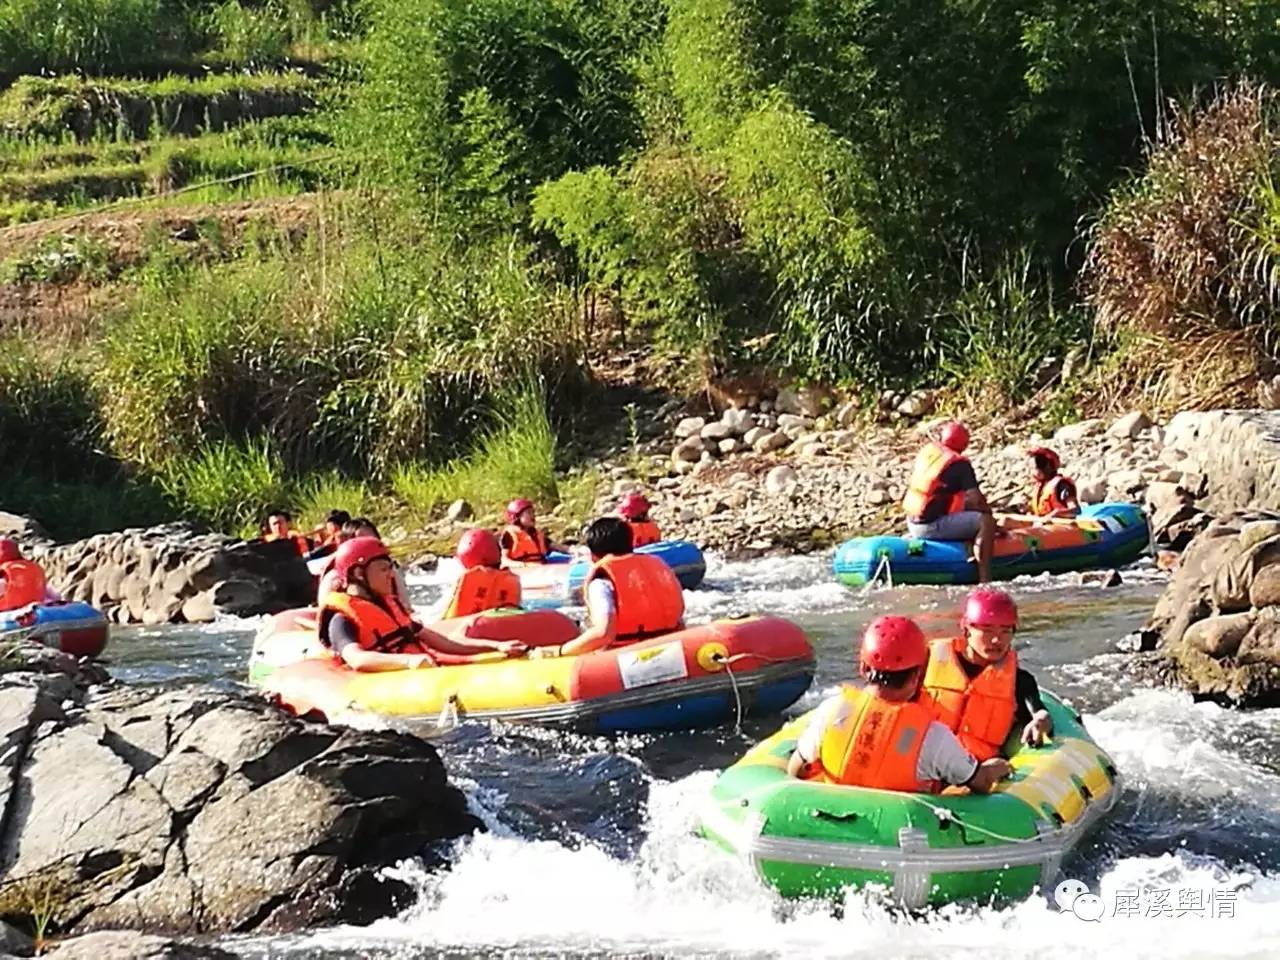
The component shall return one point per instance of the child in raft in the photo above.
(634, 508)
(522, 541)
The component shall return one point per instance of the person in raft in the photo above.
(22, 582)
(364, 624)
(327, 537)
(629, 596)
(484, 585)
(884, 736)
(943, 501)
(1052, 494)
(353, 528)
(522, 541)
(280, 527)
(977, 688)
(634, 508)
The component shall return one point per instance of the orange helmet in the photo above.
(634, 506)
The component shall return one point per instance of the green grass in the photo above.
(323, 492)
(122, 109)
(228, 485)
(515, 459)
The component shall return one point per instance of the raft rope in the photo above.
(727, 663)
(947, 817)
(883, 567)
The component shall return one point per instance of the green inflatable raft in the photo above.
(816, 839)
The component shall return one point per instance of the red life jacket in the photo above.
(24, 584)
(979, 711)
(643, 532)
(524, 546)
(300, 543)
(925, 487)
(1044, 496)
(877, 744)
(483, 588)
(383, 626)
(648, 595)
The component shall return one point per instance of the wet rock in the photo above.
(197, 810)
(689, 427)
(1075, 432)
(1219, 636)
(129, 945)
(781, 480)
(1130, 425)
(459, 511)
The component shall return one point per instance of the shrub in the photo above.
(1191, 243)
(228, 485)
(93, 35)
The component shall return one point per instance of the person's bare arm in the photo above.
(371, 661)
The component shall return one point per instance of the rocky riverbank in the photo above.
(194, 810)
(174, 573)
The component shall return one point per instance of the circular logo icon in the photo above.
(1065, 893)
(1088, 906)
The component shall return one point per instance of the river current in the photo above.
(591, 852)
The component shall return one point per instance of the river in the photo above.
(590, 851)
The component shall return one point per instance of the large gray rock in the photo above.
(197, 810)
(689, 427)
(1074, 432)
(770, 442)
(129, 945)
(1218, 621)
(1130, 425)
(1237, 451)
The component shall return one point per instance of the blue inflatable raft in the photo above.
(1105, 535)
(71, 626)
(558, 582)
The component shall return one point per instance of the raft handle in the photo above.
(837, 817)
(1086, 793)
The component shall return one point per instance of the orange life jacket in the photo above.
(483, 588)
(300, 543)
(1044, 496)
(24, 584)
(979, 711)
(643, 532)
(877, 744)
(523, 546)
(648, 595)
(925, 487)
(383, 627)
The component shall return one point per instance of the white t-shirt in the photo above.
(942, 757)
(602, 601)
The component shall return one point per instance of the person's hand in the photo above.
(1037, 731)
(989, 773)
(544, 653)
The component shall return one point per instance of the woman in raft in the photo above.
(365, 625)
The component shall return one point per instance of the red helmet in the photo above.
(893, 643)
(954, 436)
(479, 548)
(9, 550)
(1055, 462)
(358, 552)
(634, 506)
(516, 507)
(988, 607)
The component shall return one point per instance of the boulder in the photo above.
(770, 442)
(715, 432)
(921, 403)
(1127, 482)
(781, 480)
(1130, 425)
(23, 529)
(738, 421)
(794, 422)
(689, 427)
(196, 811)
(730, 445)
(689, 450)
(1219, 636)
(1075, 432)
(129, 945)
(459, 512)
(847, 414)
(1091, 491)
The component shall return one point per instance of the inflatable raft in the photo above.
(558, 582)
(1104, 535)
(70, 626)
(697, 677)
(816, 839)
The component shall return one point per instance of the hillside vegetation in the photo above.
(486, 194)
